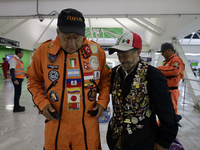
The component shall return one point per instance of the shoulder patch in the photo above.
(87, 49)
(94, 48)
(95, 43)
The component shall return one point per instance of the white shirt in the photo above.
(13, 62)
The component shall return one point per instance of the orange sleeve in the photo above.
(174, 69)
(35, 81)
(105, 82)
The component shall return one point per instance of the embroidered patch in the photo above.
(87, 49)
(73, 98)
(73, 82)
(92, 94)
(50, 45)
(88, 85)
(96, 75)
(88, 75)
(107, 66)
(72, 62)
(86, 67)
(176, 65)
(94, 63)
(73, 72)
(73, 90)
(52, 67)
(54, 96)
(53, 58)
(53, 75)
(94, 49)
(73, 102)
(73, 106)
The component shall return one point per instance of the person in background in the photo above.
(199, 72)
(5, 68)
(72, 70)
(173, 69)
(139, 93)
(17, 77)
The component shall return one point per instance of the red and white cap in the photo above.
(127, 42)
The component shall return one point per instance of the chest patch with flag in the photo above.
(73, 72)
(87, 49)
(88, 75)
(73, 101)
(86, 67)
(88, 85)
(73, 90)
(73, 82)
(72, 62)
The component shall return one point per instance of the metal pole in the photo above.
(184, 93)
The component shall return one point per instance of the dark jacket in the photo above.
(160, 99)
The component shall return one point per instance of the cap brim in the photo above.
(159, 51)
(73, 29)
(121, 48)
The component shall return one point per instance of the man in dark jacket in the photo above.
(139, 93)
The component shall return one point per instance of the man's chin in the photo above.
(70, 51)
(125, 68)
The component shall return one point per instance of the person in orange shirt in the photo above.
(173, 69)
(72, 70)
(17, 77)
(5, 67)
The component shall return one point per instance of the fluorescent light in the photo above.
(8, 47)
(193, 54)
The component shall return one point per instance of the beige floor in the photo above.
(24, 131)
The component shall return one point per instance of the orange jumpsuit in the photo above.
(173, 69)
(66, 78)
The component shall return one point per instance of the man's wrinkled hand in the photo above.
(100, 111)
(46, 113)
(158, 147)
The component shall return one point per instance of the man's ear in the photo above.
(139, 52)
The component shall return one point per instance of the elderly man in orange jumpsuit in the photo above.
(72, 69)
(173, 69)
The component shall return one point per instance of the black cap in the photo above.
(71, 21)
(165, 46)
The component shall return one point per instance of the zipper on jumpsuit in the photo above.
(63, 92)
(83, 92)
